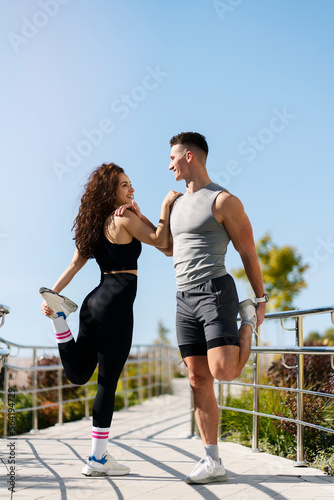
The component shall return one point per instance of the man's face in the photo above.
(178, 162)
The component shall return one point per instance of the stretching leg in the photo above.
(79, 358)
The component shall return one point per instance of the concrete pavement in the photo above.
(152, 439)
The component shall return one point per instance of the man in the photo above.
(203, 221)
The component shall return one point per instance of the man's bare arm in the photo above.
(229, 211)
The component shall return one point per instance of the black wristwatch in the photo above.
(264, 298)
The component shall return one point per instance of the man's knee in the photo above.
(225, 373)
(199, 382)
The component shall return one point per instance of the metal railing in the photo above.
(3, 351)
(299, 350)
(147, 373)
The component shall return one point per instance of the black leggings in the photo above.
(105, 336)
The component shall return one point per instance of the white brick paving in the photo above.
(152, 439)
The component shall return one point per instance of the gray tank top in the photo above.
(199, 241)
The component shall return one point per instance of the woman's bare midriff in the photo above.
(134, 271)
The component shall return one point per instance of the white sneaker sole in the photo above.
(222, 479)
(89, 471)
(56, 302)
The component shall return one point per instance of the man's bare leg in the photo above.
(210, 468)
(205, 404)
(245, 341)
(226, 362)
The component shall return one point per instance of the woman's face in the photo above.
(124, 193)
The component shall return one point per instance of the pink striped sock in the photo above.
(100, 437)
(62, 331)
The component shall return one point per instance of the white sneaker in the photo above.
(58, 303)
(207, 471)
(106, 466)
(247, 311)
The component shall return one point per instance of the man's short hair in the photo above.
(190, 139)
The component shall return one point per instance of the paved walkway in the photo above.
(152, 439)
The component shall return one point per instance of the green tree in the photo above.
(162, 334)
(313, 337)
(329, 334)
(283, 272)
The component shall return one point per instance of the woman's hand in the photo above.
(46, 309)
(129, 206)
(171, 197)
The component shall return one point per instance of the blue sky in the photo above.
(88, 82)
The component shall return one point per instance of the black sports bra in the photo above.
(116, 257)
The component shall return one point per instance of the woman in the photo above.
(106, 317)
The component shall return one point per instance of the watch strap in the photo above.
(264, 298)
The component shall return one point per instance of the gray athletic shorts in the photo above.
(206, 316)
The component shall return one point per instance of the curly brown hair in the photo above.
(97, 203)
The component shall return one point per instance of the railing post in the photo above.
(149, 373)
(158, 373)
(192, 415)
(125, 386)
(86, 403)
(300, 396)
(140, 376)
(163, 370)
(256, 395)
(220, 411)
(5, 400)
(60, 397)
(34, 394)
(156, 378)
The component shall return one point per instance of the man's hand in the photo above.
(260, 312)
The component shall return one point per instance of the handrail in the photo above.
(154, 364)
(294, 350)
(3, 351)
(24, 346)
(299, 312)
(300, 351)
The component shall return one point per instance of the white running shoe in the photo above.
(247, 311)
(58, 303)
(107, 466)
(207, 471)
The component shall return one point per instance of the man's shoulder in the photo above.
(227, 202)
(225, 197)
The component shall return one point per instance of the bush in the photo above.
(239, 426)
(325, 461)
(319, 376)
(279, 437)
(318, 372)
(22, 419)
(317, 411)
(48, 415)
